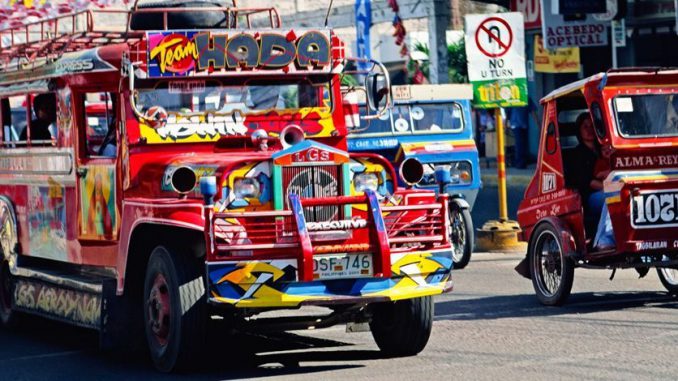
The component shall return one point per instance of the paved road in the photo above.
(490, 327)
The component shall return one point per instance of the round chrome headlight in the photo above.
(246, 188)
(366, 181)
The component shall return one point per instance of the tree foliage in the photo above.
(456, 55)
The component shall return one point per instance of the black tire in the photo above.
(175, 340)
(402, 328)
(461, 235)
(669, 278)
(7, 314)
(179, 20)
(551, 271)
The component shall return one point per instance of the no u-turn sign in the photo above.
(495, 50)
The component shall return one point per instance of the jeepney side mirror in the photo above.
(378, 88)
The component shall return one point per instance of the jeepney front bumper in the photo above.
(266, 259)
(273, 283)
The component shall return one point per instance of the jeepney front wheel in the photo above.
(175, 310)
(402, 328)
(551, 271)
(7, 315)
(461, 235)
(669, 278)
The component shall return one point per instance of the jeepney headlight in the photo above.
(365, 181)
(246, 188)
(461, 172)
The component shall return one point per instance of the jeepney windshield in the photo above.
(419, 118)
(213, 96)
(648, 115)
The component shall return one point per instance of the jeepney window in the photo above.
(380, 125)
(186, 97)
(436, 117)
(42, 128)
(99, 122)
(401, 119)
(648, 115)
(13, 120)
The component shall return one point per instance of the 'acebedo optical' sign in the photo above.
(559, 33)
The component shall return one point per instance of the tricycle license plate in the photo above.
(337, 266)
(655, 209)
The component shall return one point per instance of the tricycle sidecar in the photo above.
(632, 170)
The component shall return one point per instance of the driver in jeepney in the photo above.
(44, 108)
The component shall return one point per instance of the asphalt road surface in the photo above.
(491, 327)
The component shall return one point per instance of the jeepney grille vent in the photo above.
(320, 181)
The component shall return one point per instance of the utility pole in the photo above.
(438, 22)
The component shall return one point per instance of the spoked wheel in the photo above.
(175, 311)
(6, 313)
(461, 236)
(552, 273)
(669, 278)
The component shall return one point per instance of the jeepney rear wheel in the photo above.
(175, 310)
(669, 278)
(461, 236)
(7, 315)
(551, 271)
(402, 328)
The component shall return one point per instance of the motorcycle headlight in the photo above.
(460, 172)
(365, 181)
(246, 188)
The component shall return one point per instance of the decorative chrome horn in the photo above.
(291, 135)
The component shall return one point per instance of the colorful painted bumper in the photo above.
(273, 283)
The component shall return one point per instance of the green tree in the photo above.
(456, 55)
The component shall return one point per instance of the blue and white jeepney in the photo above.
(431, 124)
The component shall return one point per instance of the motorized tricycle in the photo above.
(431, 124)
(633, 113)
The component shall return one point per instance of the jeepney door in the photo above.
(98, 214)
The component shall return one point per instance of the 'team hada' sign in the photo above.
(188, 53)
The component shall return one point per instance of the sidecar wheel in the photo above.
(669, 278)
(552, 272)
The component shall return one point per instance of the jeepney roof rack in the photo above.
(47, 39)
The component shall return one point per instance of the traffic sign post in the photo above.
(495, 49)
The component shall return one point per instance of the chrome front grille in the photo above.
(321, 181)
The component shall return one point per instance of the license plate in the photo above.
(337, 266)
(655, 209)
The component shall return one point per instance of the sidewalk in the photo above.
(514, 176)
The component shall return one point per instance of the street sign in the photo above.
(562, 60)
(559, 33)
(363, 22)
(495, 50)
(619, 33)
(531, 12)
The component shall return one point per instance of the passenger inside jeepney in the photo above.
(44, 109)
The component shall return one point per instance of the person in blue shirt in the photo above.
(519, 122)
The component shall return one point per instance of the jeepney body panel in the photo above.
(95, 204)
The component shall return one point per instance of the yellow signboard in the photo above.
(561, 60)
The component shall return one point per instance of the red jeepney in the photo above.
(188, 167)
(633, 116)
